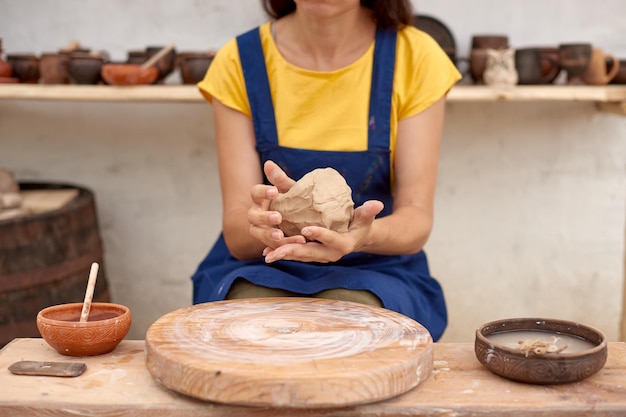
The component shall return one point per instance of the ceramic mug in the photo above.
(531, 63)
(597, 73)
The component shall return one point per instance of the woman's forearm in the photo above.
(237, 236)
(404, 232)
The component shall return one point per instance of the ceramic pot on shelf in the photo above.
(53, 68)
(85, 68)
(194, 65)
(25, 67)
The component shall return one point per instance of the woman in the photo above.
(346, 84)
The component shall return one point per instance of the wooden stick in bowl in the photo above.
(91, 285)
(155, 58)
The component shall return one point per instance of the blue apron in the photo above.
(403, 283)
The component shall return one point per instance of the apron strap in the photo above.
(257, 87)
(260, 97)
(379, 122)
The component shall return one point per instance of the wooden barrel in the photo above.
(45, 260)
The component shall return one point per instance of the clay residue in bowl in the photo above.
(320, 198)
(540, 343)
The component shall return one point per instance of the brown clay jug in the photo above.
(5, 68)
(596, 73)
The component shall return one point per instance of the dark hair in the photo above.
(387, 13)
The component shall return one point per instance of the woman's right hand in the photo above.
(263, 221)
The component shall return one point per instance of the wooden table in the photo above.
(118, 384)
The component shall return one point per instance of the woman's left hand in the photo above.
(325, 245)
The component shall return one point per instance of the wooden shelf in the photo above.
(150, 93)
(611, 98)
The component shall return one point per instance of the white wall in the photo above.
(531, 203)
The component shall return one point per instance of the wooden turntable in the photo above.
(288, 352)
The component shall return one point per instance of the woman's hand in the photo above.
(325, 245)
(262, 220)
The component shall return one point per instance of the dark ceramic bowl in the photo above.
(25, 67)
(85, 68)
(194, 65)
(107, 325)
(540, 350)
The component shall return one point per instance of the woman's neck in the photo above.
(324, 44)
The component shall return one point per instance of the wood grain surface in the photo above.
(118, 384)
(613, 95)
(288, 352)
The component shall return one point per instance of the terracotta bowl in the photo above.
(194, 65)
(128, 74)
(540, 350)
(107, 325)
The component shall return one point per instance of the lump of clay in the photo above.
(320, 198)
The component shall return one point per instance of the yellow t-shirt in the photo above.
(329, 110)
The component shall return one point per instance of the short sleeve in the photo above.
(224, 80)
(424, 72)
